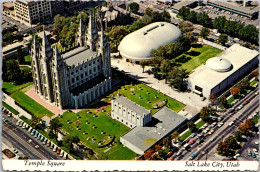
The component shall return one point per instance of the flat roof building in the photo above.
(164, 122)
(250, 12)
(138, 45)
(222, 71)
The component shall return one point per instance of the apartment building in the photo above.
(32, 12)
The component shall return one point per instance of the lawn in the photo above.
(147, 97)
(26, 120)
(7, 106)
(231, 99)
(196, 56)
(253, 83)
(98, 126)
(24, 68)
(255, 119)
(27, 59)
(188, 133)
(10, 87)
(30, 105)
(200, 124)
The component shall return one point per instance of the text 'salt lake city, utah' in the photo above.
(130, 85)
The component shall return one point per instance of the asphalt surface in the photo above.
(210, 145)
(19, 138)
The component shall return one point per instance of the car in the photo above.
(62, 152)
(55, 148)
(256, 93)
(15, 150)
(214, 138)
(249, 152)
(255, 150)
(179, 153)
(220, 124)
(200, 141)
(33, 132)
(65, 156)
(4, 119)
(24, 125)
(231, 123)
(29, 141)
(257, 143)
(220, 118)
(240, 107)
(193, 135)
(246, 102)
(203, 98)
(193, 156)
(253, 154)
(187, 140)
(10, 114)
(39, 137)
(21, 123)
(42, 139)
(36, 146)
(193, 141)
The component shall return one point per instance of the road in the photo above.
(225, 130)
(19, 137)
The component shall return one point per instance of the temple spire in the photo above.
(45, 40)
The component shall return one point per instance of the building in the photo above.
(191, 4)
(8, 7)
(223, 71)
(163, 123)
(71, 5)
(129, 113)
(32, 12)
(250, 12)
(57, 7)
(77, 76)
(10, 51)
(114, 15)
(137, 46)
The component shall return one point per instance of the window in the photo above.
(137, 118)
(81, 75)
(198, 88)
(86, 73)
(126, 123)
(117, 117)
(122, 120)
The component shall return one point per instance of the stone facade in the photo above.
(130, 113)
(32, 12)
(77, 76)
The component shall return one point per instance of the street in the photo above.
(19, 137)
(210, 145)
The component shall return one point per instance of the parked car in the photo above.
(179, 153)
(193, 141)
(240, 107)
(193, 135)
(193, 156)
(231, 123)
(214, 138)
(220, 124)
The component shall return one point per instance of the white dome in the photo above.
(138, 45)
(219, 64)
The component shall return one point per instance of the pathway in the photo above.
(10, 101)
(212, 44)
(136, 71)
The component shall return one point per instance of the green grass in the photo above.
(199, 56)
(30, 105)
(231, 99)
(253, 83)
(7, 106)
(24, 68)
(27, 59)
(185, 135)
(148, 100)
(10, 87)
(60, 48)
(255, 119)
(26, 120)
(103, 123)
(188, 133)
(199, 124)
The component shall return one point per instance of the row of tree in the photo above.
(9, 37)
(232, 28)
(229, 145)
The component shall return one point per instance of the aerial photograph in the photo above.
(165, 80)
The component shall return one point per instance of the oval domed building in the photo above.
(137, 45)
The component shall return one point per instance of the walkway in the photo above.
(50, 106)
(212, 44)
(10, 101)
(136, 71)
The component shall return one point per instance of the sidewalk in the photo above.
(10, 101)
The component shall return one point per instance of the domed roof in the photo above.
(138, 45)
(219, 64)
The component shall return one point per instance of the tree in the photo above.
(167, 142)
(177, 77)
(231, 141)
(39, 28)
(184, 12)
(116, 34)
(20, 56)
(30, 32)
(204, 32)
(148, 154)
(223, 101)
(238, 135)
(165, 68)
(133, 7)
(205, 113)
(223, 38)
(250, 124)
(223, 148)
(68, 141)
(244, 85)
(212, 98)
(35, 120)
(234, 91)
(55, 124)
(192, 126)
(148, 11)
(157, 148)
(186, 26)
(11, 70)
(175, 135)
(143, 64)
(255, 73)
